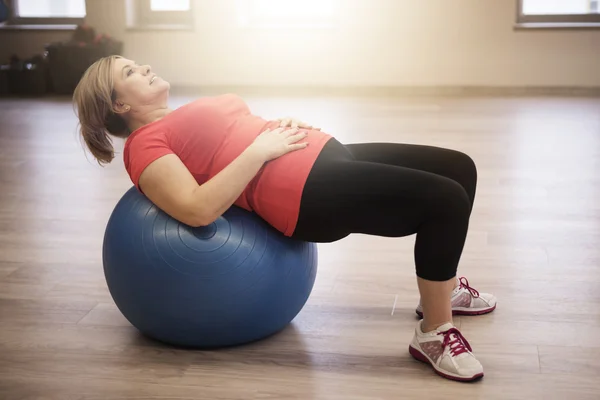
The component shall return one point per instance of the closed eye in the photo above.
(128, 70)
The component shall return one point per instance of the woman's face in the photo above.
(137, 85)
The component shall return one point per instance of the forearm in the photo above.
(220, 192)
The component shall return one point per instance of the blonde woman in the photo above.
(196, 161)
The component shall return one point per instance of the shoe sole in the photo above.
(423, 358)
(466, 311)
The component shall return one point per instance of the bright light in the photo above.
(293, 8)
(549, 7)
(170, 5)
(51, 8)
(286, 14)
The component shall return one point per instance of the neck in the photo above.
(141, 118)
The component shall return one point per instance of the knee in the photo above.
(453, 201)
(464, 171)
(465, 167)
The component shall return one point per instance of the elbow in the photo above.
(198, 221)
(196, 216)
(197, 213)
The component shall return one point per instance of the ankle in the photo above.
(427, 326)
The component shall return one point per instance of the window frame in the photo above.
(591, 20)
(15, 19)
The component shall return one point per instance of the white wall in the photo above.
(375, 42)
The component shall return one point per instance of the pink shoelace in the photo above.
(464, 284)
(456, 341)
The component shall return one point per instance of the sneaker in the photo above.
(468, 301)
(447, 351)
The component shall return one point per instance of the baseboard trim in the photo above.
(391, 91)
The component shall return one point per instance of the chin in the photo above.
(161, 82)
(161, 87)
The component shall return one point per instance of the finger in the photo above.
(297, 137)
(284, 122)
(292, 131)
(298, 146)
(295, 123)
(295, 134)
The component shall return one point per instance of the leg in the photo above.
(449, 163)
(358, 197)
(344, 196)
(436, 302)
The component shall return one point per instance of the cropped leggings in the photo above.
(392, 190)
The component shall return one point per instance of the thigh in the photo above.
(445, 162)
(345, 196)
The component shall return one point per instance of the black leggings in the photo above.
(392, 190)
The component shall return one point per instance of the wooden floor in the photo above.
(534, 242)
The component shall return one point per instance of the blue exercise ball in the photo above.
(235, 281)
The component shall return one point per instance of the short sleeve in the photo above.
(141, 150)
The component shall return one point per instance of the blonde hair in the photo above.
(94, 97)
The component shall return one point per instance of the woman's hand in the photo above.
(289, 122)
(272, 144)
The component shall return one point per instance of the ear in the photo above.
(120, 108)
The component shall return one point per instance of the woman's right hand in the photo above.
(272, 144)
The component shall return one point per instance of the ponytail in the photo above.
(99, 144)
(93, 98)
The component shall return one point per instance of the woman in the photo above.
(200, 159)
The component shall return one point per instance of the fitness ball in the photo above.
(235, 281)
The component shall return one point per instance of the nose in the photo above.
(145, 69)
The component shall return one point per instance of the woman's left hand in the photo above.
(290, 122)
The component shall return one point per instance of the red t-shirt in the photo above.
(208, 134)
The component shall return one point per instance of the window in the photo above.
(47, 12)
(170, 5)
(165, 14)
(559, 13)
(286, 13)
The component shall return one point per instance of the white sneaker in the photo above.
(468, 301)
(447, 351)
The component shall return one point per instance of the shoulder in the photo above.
(146, 138)
(143, 148)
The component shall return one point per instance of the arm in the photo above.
(171, 187)
(168, 184)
